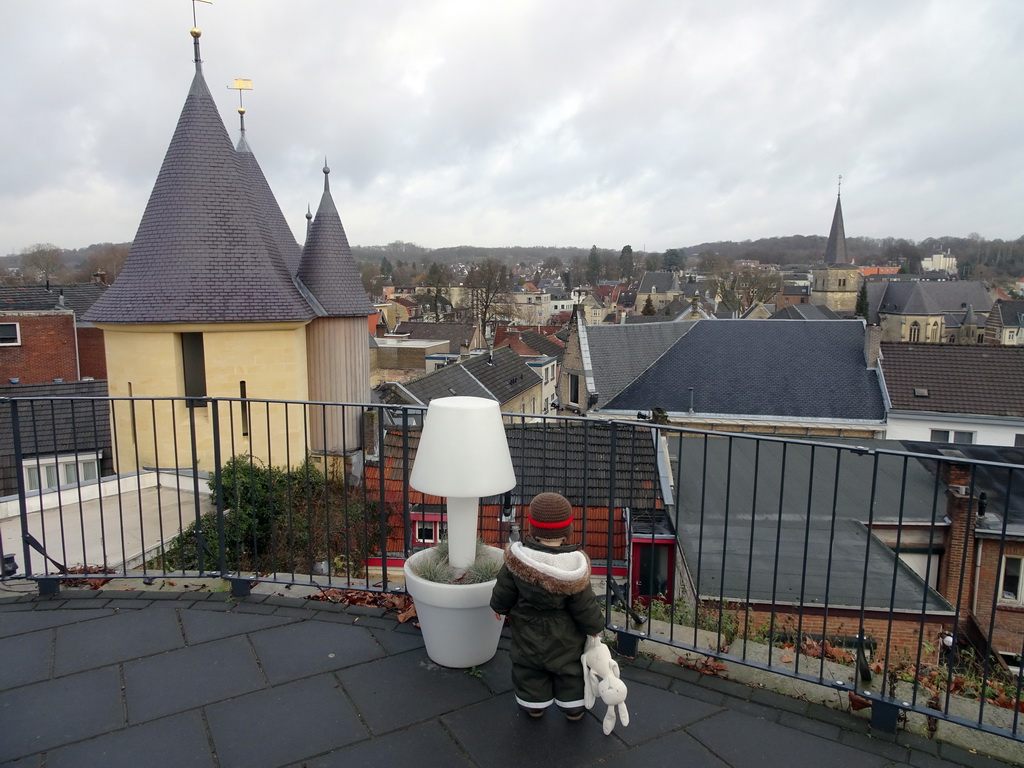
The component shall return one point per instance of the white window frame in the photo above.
(48, 472)
(17, 335)
(1019, 598)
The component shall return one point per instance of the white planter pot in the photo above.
(459, 627)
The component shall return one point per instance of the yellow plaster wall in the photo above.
(146, 362)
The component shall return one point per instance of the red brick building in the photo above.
(42, 337)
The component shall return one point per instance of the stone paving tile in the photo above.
(190, 677)
(770, 744)
(401, 690)
(653, 711)
(677, 748)
(496, 734)
(25, 658)
(84, 705)
(115, 638)
(19, 622)
(179, 741)
(204, 626)
(307, 717)
(397, 642)
(304, 648)
(699, 693)
(644, 676)
(415, 747)
(496, 674)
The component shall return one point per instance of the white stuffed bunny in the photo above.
(601, 681)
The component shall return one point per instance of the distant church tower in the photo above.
(835, 251)
(836, 282)
(216, 299)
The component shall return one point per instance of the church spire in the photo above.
(835, 251)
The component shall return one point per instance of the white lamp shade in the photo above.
(463, 451)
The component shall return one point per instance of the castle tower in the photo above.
(209, 304)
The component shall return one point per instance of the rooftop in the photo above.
(180, 677)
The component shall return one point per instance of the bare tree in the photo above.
(490, 292)
(42, 262)
(107, 261)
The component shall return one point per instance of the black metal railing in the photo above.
(888, 572)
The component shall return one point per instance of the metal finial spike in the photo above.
(840, 189)
(309, 212)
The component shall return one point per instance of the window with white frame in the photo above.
(958, 436)
(1011, 588)
(10, 334)
(46, 472)
(430, 529)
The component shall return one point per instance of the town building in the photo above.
(216, 298)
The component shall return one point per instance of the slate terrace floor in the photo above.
(139, 678)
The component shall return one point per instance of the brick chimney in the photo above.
(872, 345)
(958, 561)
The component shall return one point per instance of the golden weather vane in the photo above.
(240, 84)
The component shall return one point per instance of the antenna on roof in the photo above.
(241, 84)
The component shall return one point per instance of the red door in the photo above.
(653, 569)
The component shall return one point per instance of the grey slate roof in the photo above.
(328, 269)
(457, 335)
(926, 297)
(499, 376)
(265, 204)
(801, 369)
(1011, 313)
(758, 553)
(68, 422)
(995, 481)
(835, 249)
(975, 379)
(36, 298)
(542, 344)
(202, 253)
(805, 312)
(574, 459)
(658, 282)
(620, 353)
(504, 373)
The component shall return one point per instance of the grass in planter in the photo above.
(435, 567)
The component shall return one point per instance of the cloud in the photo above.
(520, 123)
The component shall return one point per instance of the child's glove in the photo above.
(601, 680)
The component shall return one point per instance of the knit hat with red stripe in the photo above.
(550, 516)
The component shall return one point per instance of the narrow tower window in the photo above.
(194, 366)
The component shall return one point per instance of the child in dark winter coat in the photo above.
(544, 588)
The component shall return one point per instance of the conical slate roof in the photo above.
(835, 251)
(267, 208)
(328, 269)
(203, 252)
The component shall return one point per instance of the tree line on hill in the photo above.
(409, 263)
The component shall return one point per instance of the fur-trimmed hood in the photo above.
(560, 572)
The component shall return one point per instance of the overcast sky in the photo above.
(531, 122)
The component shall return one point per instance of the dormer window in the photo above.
(10, 335)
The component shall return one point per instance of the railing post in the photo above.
(19, 460)
(201, 548)
(885, 716)
(222, 554)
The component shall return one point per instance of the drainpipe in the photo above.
(978, 543)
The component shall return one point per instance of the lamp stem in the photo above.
(462, 513)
